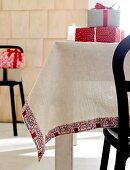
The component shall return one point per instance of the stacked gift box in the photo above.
(103, 26)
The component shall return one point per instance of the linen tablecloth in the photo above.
(74, 92)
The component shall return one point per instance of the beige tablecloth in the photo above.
(74, 92)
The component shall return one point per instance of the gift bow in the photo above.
(100, 6)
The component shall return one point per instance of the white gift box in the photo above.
(103, 17)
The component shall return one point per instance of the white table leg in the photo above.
(64, 152)
(75, 139)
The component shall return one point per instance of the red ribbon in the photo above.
(105, 17)
(17, 56)
(105, 12)
(100, 6)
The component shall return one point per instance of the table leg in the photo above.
(75, 139)
(64, 152)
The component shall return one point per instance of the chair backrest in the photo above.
(11, 56)
(122, 88)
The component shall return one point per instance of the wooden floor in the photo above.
(19, 153)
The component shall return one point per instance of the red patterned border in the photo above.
(34, 130)
(38, 138)
(82, 126)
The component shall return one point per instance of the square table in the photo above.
(74, 92)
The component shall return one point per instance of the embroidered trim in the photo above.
(76, 127)
(81, 127)
(34, 130)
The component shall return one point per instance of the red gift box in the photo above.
(109, 34)
(99, 34)
(84, 34)
(11, 58)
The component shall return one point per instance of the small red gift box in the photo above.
(99, 34)
(109, 34)
(84, 34)
(11, 58)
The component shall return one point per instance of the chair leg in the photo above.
(13, 110)
(22, 93)
(120, 160)
(105, 155)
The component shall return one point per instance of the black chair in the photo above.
(14, 51)
(119, 137)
